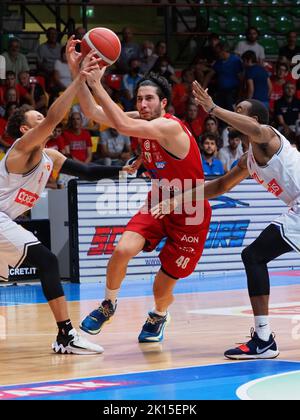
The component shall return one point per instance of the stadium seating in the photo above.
(235, 23)
(270, 44)
(261, 22)
(283, 24)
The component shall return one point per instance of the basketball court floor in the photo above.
(210, 315)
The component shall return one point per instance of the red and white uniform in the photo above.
(18, 193)
(281, 177)
(185, 242)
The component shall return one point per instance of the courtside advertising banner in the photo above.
(99, 213)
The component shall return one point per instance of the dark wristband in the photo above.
(89, 171)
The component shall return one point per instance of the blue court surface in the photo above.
(28, 294)
(225, 381)
(213, 382)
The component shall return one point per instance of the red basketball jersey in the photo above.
(162, 165)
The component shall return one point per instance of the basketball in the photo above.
(106, 44)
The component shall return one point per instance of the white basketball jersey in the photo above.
(19, 193)
(281, 175)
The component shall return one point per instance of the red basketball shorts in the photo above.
(184, 244)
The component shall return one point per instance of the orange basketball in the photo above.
(106, 44)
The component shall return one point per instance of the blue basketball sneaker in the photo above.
(93, 323)
(154, 327)
(254, 349)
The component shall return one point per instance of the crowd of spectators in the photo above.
(229, 74)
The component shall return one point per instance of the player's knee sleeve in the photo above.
(257, 272)
(41, 257)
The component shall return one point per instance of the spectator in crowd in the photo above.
(162, 68)
(208, 52)
(194, 119)
(160, 51)
(201, 69)
(5, 140)
(182, 92)
(62, 76)
(129, 83)
(129, 50)
(114, 148)
(78, 139)
(57, 141)
(228, 70)
(48, 52)
(34, 89)
(278, 80)
(79, 32)
(251, 44)
(211, 125)
(225, 137)
(291, 48)
(232, 152)
(258, 83)
(147, 58)
(15, 61)
(244, 147)
(211, 165)
(11, 83)
(9, 96)
(287, 111)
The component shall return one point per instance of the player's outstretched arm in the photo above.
(88, 104)
(37, 135)
(86, 171)
(226, 182)
(205, 191)
(243, 123)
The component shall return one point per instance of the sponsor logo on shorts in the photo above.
(187, 249)
(190, 239)
(26, 198)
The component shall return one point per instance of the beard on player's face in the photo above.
(152, 113)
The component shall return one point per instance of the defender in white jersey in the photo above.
(23, 176)
(273, 163)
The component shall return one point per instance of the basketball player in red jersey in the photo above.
(169, 152)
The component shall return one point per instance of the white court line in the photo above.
(239, 310)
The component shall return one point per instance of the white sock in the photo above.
(262, 327)
(111, 295)
(155, 311)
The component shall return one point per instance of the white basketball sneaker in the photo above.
(74, 343)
